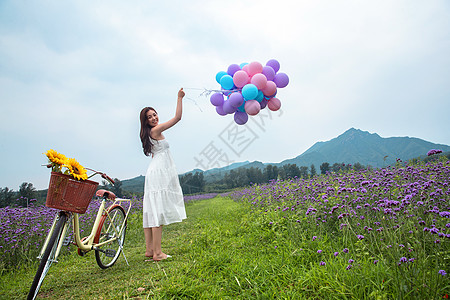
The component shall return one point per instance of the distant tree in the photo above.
(270, 173)
(255, 175)
(312, 170)
(304, 172)
(7, 197)
(192, 183)
(290, 171)
(357, 166)
(242, 178)
(324, 168)
(336, 167)
(26, 193)
(117, 188)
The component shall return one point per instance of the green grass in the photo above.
(215, 255)
(220, 252)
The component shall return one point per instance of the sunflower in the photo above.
(76, 170)
(57, 160)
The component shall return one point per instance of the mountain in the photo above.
(353, 146)
(218, 173)
(356, 145)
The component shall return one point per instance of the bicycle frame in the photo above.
(61, 242)
(86, 244)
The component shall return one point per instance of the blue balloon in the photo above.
(243, 64)
(219, 75)
(249, 91)
(242, 107)
(227, 82)
(260, 96)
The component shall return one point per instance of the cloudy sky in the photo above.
(74, 76)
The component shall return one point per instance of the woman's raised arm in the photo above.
(158, 129)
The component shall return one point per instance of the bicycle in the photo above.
(107, 235)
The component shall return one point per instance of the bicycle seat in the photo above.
(106, 194)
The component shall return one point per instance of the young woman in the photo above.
(163, 202)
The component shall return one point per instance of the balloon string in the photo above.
(207, 92)
(195, 102)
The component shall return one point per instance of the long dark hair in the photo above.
(145, 131)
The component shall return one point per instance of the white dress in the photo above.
(163, 198)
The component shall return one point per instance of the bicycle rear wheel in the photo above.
(110, 234)
(48, 257)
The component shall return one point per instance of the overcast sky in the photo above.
(74, 76)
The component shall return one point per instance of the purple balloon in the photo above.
(263, 103)
(240, 117)
(281, 80)
(219, 110)
(236, 99)
(228, 108)
(233, 69)
(269, 72)
(274, 64)
(216, 99)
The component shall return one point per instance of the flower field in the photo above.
(23, 230)
(391, 226)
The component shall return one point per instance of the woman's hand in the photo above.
(181, 93)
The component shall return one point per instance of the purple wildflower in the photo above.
(442, 272)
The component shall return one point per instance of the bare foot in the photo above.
(149, 253)
(160, 257)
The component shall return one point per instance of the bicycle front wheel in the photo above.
(111, 237)
(48, 257)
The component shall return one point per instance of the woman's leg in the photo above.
(148, 242)
(157, 236)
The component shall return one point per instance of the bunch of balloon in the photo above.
(248, 88)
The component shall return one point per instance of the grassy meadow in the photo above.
(378, 234)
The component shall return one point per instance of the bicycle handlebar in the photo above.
(104, 176)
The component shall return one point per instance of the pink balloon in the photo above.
(245, 69)
(254, 68)
(259, 80)
(252, 107)
(270, 89)
(240, 78)
(274, 104)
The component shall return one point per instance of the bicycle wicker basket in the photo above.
(68, 194)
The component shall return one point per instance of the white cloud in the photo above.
(74, 75)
